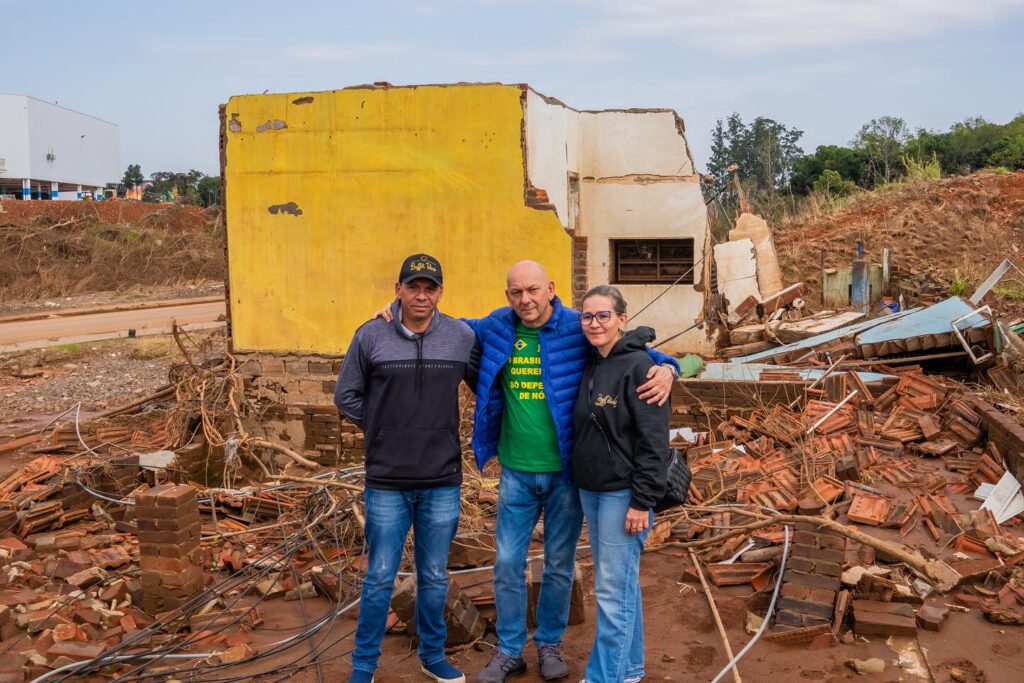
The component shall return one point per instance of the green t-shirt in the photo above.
(528, 440)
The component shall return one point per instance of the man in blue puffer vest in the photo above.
(532, 357)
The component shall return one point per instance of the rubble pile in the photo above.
(856, 500)
(890, 495)
(111, 560)
(172, 568)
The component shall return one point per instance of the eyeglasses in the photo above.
(601, 317)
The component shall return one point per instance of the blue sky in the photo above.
(823, 66)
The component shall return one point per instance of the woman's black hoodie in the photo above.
(621, 441)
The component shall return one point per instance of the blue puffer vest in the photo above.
(564, 352)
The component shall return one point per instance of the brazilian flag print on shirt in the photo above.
(528, 440)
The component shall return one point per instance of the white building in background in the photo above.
(51, 152)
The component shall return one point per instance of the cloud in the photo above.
(578, 54)
(746, 26)
(251, 49)
(334, 52)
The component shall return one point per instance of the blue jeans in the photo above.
(434, 516)
(522, 496)
(618, 651)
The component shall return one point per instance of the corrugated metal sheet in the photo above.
(750, 372)
(906, 325)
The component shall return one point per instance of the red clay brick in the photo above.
(932, 617)
(806, 538)
(820, 554)
(176, 497)
(76, 650)
(828, 568)
(788, 618)
(813, 580)
(809, 608)
(800, 564)
(883, 618)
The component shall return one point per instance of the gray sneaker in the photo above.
(501, 667)
(552, 666)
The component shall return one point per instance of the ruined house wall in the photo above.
(552, 150)
(617, 144)
(326, 192)
(634, 178)
(670, 208)
(638, 181)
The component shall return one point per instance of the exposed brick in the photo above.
(296, 367)
(813, 580)
(883, 618)
(806, 538)
(805, 607)
(788, 618)
(932, 617)
(819, 554)
(828, 568)
(832, 542)
(170, 537)
(76, 650)
(795, 591)
(147, 497)
(800, 564)
(171, 564)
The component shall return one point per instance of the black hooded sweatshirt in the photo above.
(402, 389)
(621, 441)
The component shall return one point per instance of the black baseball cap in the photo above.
(420, 266)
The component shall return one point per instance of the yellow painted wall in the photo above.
(378, 174)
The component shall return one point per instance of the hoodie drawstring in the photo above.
(419, 366)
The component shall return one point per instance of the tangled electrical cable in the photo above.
(326, 520)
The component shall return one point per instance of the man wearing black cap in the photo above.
(400, 385)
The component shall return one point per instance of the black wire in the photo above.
(296, 640)
(214, 592)
(286, 550)
(201, 600)
(319, 648)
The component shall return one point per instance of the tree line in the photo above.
(774, 168)
(191, 187)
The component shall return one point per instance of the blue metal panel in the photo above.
(750, 372)
(820, 339)
(915, 322)
(935, 319)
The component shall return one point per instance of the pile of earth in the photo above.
(56, 249)
(945, 234)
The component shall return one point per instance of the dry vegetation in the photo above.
(56, 249)
(950, 232)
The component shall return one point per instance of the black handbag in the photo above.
(677, 481)
(677, 485)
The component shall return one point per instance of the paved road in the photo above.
(66, 329)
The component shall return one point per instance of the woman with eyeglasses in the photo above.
(620, 464)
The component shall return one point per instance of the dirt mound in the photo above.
(940, 232)
(51, 249)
